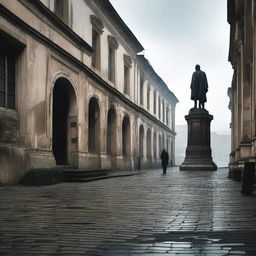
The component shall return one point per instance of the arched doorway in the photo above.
(149, 155)
(111, 132)
(64, 122)
(141, 141)
(154, 144)
(126, 136)
(94, 126)
(172, 153)
(159, 145)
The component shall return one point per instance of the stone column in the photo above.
(198, 152)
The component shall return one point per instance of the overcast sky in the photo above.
(177, 35)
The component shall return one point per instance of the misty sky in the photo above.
(177, 35)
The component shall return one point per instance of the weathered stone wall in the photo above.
(52, 54)
(241, 17)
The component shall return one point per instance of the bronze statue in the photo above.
(199, 87)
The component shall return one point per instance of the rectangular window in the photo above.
(96, 48)
(148, 98)
(154, 102)
(58, 8)
(7, 80)
(111, 64)
(112, 47)
(61, 9)
(141, 91)
(167, 115)
(159, 107)
(126, 79)
(163, 112)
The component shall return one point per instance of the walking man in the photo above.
(165, 159)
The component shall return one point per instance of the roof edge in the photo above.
(148, 67)
(120, 23)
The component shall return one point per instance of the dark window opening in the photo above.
(126, 79)
(149, 155)
(154, 102)
(96, 48)
(111, 132)
(141, 142)
(94, 126)
(159, 108)
(126, 137)
(148, 98)
(7, 79)
(141, 91)
(163, 111)
(167, 116)
(58, 8)
(111, 64)
(60, 118)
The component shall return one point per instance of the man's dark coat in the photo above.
(199, 86)
(165, 158)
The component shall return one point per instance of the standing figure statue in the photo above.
(199, 87)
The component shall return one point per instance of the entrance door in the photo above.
(60, 113)
(64, 123)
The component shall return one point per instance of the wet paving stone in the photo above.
(181, 213)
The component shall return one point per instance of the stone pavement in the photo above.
(181, 213)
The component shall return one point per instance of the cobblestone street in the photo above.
(181, 213)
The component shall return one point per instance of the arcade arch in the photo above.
(141, 141)
(111, 131)
(126, 136)
(64, 121)
(94, 126)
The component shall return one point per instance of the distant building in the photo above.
(242, 20)
(181, 143)
(220, 145)
(73, 90)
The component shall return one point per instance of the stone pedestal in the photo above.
(198, 152)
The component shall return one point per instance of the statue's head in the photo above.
(197, 67)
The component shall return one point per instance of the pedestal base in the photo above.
(191, 165)
(198, 152)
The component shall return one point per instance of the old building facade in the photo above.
(242, 55)
(74, 91)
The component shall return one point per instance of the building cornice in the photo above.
(112, 42)
(108, 9)
(148, 69)
(58, 23)
(97, 24)
(51, 45)
(127, 60)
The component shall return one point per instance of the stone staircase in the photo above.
(75, 175)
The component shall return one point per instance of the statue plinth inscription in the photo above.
(198, 152)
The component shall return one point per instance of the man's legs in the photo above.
(201, 104)
(195, 101)
(164, 169)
